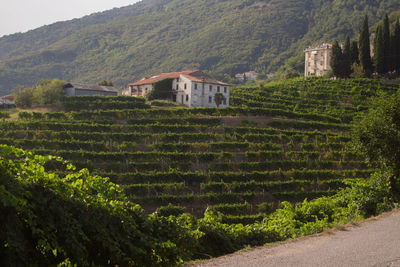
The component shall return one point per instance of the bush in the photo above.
(46, 92)
(170, 210)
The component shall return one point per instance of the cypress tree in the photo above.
(336, 60)
(346, 58)
(379, 51)
(395, 44)
(364, 49)
(354, 52)
(388, 61)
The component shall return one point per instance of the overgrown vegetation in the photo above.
(96, 225)
(45, 93)
(161, 90)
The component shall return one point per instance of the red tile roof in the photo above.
(160, 77)
(8, 97)
(194, 75)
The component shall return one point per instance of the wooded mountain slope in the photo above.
(168, 35)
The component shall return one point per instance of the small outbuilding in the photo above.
(7, 102)
(76, 89)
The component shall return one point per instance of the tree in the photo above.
(379, 52)
(346, 58)
(162, 90)
(337, 60)
(219, 98)
(387, 59)
(46, 92)
(244, 78)
(364, 48)
(105, 83)
(377, 135)
(23, 97)
(354, 53)
(395, 47)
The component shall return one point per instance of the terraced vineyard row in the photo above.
(286, 141)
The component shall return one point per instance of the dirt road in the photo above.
(374, 242)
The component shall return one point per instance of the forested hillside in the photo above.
(168, 35)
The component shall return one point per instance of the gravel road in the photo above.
(374, 242)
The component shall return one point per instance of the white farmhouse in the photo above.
(190, 88)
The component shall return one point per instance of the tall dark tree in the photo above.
(364, 49)
(386, 45)
(337, 60)
(354, 52)
(395, 46)
(346, 58)
(379, 51)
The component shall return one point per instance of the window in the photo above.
(224, 101)
(210, 88)
(177, 86)
(210, 99)
(218, 89)
(224, 89)
(195, 86)
(187, 98)
(184, 86)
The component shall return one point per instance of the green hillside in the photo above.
(169, 35)
(287, 141)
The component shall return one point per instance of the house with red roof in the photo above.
(7, 101)
(190, 88)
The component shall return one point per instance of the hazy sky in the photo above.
(24, 15)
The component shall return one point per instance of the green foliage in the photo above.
(337, 60)
(379, 52)
(386, 47)
(364, 43)
(82, 219)
(162, 90)
(376, 134)
(105, 83)
(170, 210)
(4, 115)
(354, 53)
(386, 44)
(219, 98)
(347, 58)
(395, 38)
(77, 103)
(46, 92)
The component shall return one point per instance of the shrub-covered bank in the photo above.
(86, 220)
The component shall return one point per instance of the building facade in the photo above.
(7, 102)
(189, 88)
(75, 89)
(318, 60)
(250, 75)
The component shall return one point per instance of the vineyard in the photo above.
(285, 141)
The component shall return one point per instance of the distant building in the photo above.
(250, 75)
(190, 88)
(76, 89)
(318, 60)
(7, 102)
